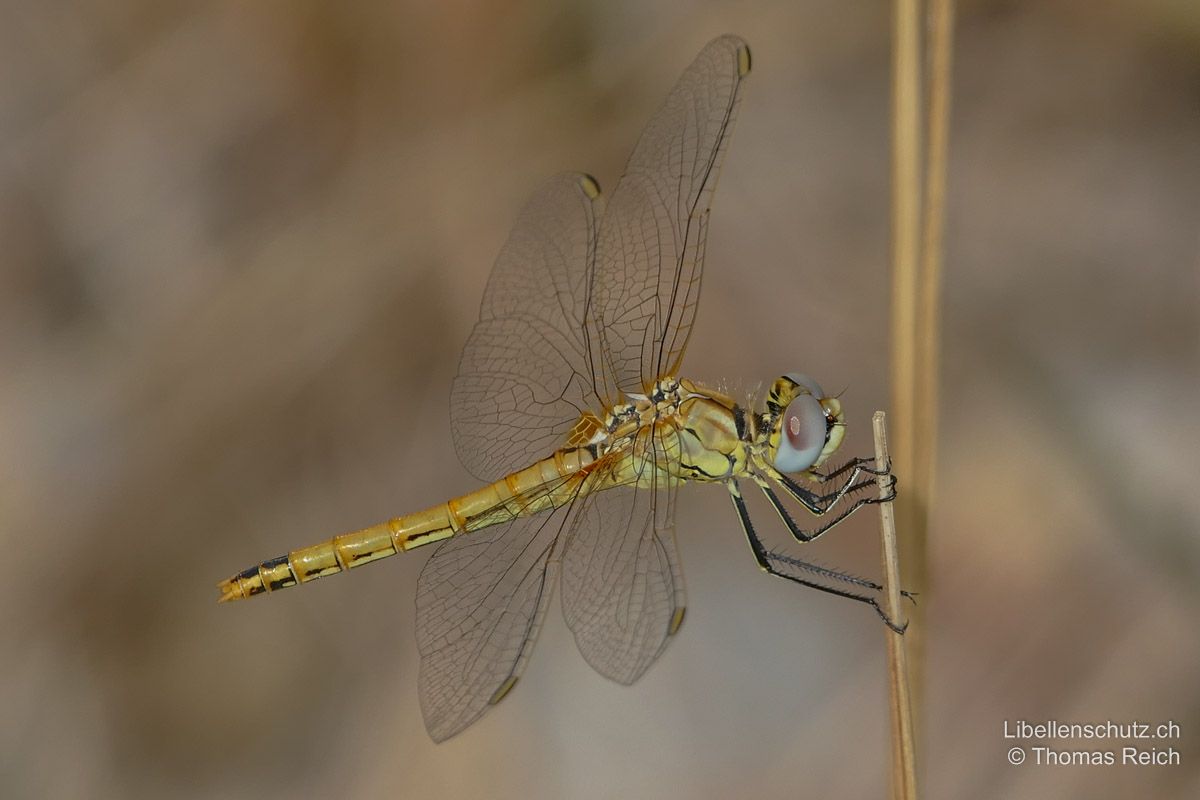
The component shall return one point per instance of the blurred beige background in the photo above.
(242, 244)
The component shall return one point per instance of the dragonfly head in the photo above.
(805, 427)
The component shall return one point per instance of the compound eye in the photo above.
(802, 434)
(807, 383)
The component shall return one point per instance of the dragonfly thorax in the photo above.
(677, 432)
(661, 404)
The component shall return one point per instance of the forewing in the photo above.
(481, 600)
(623, 595)
(651, 246)
(525, 375)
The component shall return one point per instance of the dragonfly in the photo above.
(570, 406)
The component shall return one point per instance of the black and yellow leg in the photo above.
(821, 503)
(774, 564)
(807, 536)
(864, 464)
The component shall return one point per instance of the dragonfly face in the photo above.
(802, 427)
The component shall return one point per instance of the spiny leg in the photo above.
(816, 503)
(861, 464)
(808, 536)
(833, 574)
(766, 558)
(821, 504)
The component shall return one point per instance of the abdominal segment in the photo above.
(549, 483)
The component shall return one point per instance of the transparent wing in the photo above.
(525, 373)
(623, 595)
(481, 600)
(650, 253)
(571, 317)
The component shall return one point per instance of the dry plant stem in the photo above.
(906, 233)
(941, 28)
(917, 232)
(904, 770)
(905, 223)
(928, 330)
(906, 239)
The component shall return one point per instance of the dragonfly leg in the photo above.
(807, 536)
(820, 504)
(824, 501)
(769, 562)
(860, 464)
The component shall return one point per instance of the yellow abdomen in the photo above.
(549, 483)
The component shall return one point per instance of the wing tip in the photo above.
(741, 51)
(743, 56)
(676, 620)
(504, 689)
(438, 735)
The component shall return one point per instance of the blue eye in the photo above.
(802, 434)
